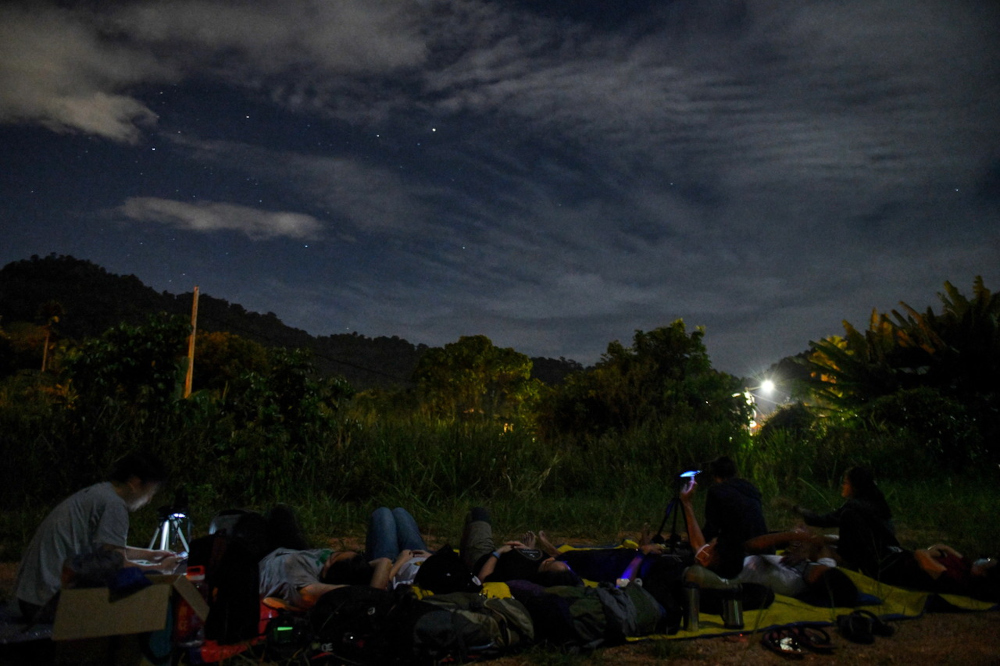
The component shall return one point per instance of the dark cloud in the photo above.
(553, 175)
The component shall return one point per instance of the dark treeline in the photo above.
(441, 428)
(92, 300)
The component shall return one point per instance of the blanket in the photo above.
(892, 603)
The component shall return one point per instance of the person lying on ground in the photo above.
(806, 569)
(514, 560)
(394, 535)
(954, 573)
(90, 528)
(943, 570)
(608, 565)
(613, 564)
(300, 577)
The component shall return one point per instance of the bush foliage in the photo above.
(598, 453)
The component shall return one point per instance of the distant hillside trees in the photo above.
(472, 378)
(135, 364)
(95, 300)
(665, 374)
(223, 357)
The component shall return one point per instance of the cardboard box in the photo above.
(92, 613)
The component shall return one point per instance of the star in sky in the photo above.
(552, 175)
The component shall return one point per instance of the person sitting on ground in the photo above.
(867, 540)
(514, 560)
(807, 571)
(394, 535)
(733, 515)
(300, 577)
(90, 528)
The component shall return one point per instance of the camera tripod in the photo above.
(171, 530)
(173, 521)
(673, 510)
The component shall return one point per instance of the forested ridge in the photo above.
(93, 366)
(91, 300)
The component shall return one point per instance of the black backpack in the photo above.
(568, 617)
(445, 572)
(349, 623)
(232, 578)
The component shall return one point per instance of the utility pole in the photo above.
(194, 329)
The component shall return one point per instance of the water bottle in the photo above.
(732, 609)
(692, 598)
(189, 631)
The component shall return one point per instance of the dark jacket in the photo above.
(867, 535)
(733, 515)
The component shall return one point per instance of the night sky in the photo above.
(552, 174)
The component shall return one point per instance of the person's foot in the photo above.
(546, 545)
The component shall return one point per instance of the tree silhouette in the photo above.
(473, 378)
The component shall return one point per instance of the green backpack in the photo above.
(466, 624)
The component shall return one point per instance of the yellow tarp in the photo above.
(892, 603)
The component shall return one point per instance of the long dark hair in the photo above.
(353, 570)
(863, 489)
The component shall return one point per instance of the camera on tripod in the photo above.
(174, 531)
(673, 509)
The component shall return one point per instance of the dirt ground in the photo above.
(962, 639)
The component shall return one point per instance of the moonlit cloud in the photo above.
(553, 175)
(369, 198)
(309, 37)
(56, 70)
(209, 217)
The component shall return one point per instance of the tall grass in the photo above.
(596, 489)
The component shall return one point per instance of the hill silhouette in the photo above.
(93, 300)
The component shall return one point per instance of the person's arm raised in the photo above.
(695, 536)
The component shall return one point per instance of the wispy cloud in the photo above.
(55, 70)
(750, 165)
(212, 217)
(368, 198)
